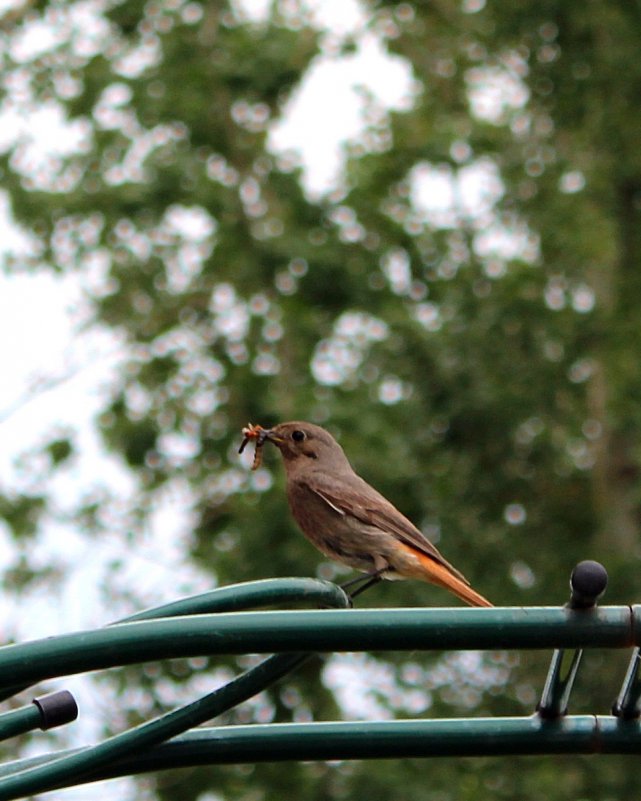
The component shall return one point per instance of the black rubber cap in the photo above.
(56, 709)
(588, 581)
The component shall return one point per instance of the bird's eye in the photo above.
(298, 435)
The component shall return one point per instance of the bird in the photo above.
(347, 519)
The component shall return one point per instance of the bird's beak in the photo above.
(272, 436)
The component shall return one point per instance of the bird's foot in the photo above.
(362, 583)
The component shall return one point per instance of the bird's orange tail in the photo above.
(436, 573)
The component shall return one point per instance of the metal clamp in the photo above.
(587, 582)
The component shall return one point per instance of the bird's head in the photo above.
(305, 444)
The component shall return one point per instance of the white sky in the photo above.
(327, 110)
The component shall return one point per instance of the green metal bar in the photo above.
(580, 734)
(19, 721)
(628, 704)
(319, 630)
(518, 736)
(69, 769)
(250, 595)
(234, 597)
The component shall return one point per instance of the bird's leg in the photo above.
(367, 581)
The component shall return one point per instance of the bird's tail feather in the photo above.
(436, 573)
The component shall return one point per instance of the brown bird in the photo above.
(348, 520)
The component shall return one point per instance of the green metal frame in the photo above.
(218, 623)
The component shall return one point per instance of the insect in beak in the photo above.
(259, 435)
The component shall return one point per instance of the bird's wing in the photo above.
(351, 495)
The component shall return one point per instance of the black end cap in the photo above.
(588, 582)
(56, 709)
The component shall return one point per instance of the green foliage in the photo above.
(59, 450)
(22, 513)
(491, 392)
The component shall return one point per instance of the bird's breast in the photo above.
(314, 515)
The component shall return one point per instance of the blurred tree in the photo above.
(461, 311)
